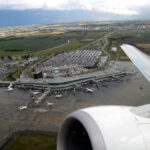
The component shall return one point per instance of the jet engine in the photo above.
(106, 128)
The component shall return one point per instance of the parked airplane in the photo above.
(89, 90)
(10, 88)
(110, 127)
(58, 96)
(49, 104)
(22, 107)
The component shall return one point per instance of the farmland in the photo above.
(34, 44)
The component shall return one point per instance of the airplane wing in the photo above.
(140, 59)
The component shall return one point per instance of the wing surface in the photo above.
(140, 59)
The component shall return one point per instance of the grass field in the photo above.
(33, 142)
(138, 39)
(74, 44)
(33, 44)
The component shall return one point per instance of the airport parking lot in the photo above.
(86, 58)
(69, 64)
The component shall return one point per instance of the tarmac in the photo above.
(125, 91)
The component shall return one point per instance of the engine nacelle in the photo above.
(106, 128)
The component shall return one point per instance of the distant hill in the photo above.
(39, 16)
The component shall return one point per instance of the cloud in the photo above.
(125, 7)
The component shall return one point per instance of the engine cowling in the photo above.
(105, 128)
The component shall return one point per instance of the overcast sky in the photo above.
(27, 12)
(119, 7)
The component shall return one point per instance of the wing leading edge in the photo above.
(141, 60)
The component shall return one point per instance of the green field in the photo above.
(139, 39)
(33, 142)
(32, 44)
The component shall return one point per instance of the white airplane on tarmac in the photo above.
(49, 104)
(58, 96)
(89, 90)
(10, 88)
(110, 127)
(22, 107)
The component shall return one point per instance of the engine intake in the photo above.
(73, 132)
(80, 132)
